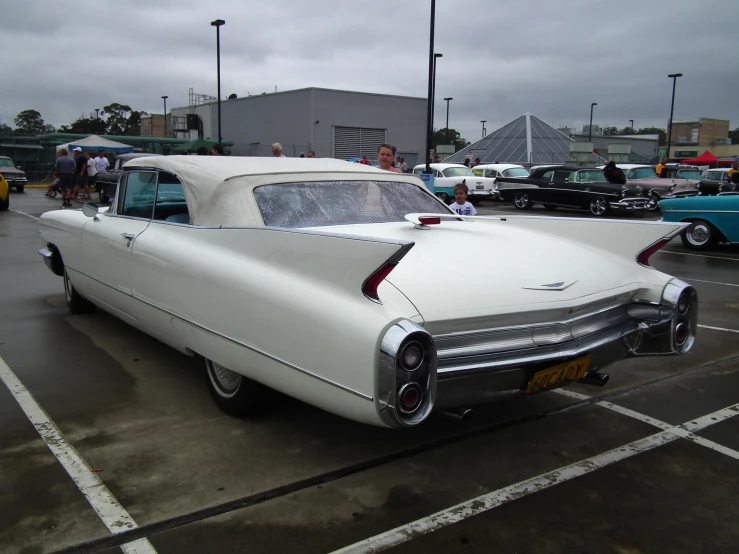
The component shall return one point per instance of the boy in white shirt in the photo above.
(460, 205)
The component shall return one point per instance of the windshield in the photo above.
(689, 174)
(516, 172)
(317, 204)
(6, 163)
(642, 173)
(458, 172)
(715, 175)
(595, 176)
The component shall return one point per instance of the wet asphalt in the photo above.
(300, 480)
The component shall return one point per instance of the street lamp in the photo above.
(447, 118)
(590, 127)
(429, 112)
(674, 77)
(165, 115)
(217, 24)
(483, 121)
(433, 92)
(631, 121)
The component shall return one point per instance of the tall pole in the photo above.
(165, 115)
(429, 116)
(447, 118)
(631, 121)
(433, 92)
(590, 127)
(217, 24)
(674, 77)
(483, 121)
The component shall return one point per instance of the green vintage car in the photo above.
(712, 219)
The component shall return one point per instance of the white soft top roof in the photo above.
(498, 167)
(215, 186)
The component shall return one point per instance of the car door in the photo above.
(107, 240)
(555, 191)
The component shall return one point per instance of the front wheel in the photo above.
(235, 394)
(522, 202)
(75, 302)
(699, 236)
(653, 202)
(598, 206)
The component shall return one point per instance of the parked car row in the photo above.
(15, 177)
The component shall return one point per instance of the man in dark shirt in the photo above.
(65, 168)
(80, 171)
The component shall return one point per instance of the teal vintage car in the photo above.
(712, 219)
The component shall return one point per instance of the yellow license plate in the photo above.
(555, 376)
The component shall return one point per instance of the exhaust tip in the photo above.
(595, 379)
(460, 414)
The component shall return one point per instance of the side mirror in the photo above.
(90, 209)
(18, 167)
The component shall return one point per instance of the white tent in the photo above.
(94, 143)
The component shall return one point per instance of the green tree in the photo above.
(734, 136)
(440, 137)
(5, 128)
(86, 125)
(30, 121)
(121, 119)
(654, 131)
(611, 131)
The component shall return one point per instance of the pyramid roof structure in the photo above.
(526, 140)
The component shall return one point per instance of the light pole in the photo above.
(217, 24)
(590, 127)
(674, 77)
(447, 118)
(165, 115)
(429, 112)
(483, 121)
(433, 92)
(631, 121)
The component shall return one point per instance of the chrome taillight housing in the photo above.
(406, 378)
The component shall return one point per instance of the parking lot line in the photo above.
(697, 255)
(108, 509)
(712, 282)
(23, 213)
(718, 328)
(486, 502)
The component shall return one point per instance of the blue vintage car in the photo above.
(712, 219)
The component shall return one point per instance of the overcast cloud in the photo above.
(501, 58)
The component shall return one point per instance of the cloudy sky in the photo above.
(501, 58)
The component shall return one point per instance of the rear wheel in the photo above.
(700, 235)
(522, 202)
(598, 206)
(75, 302)
(235, 394)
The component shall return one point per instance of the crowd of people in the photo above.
(73, 176)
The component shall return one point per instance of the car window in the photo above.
(479, 172)
(595, 176)
(418, 171)
(317, 204)
(714, 175)
(642, 173)
(689, 174)
(516, 172)
(458, 172)
(547, 176)
(139, 190)
(6, 163)
(561, 177)
(170, 203)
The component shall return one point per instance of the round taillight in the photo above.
(409, 398)
(681, 333)
(683, 304)
(411, 356)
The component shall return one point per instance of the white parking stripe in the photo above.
(23, 213)
(696, 255)
(112, 514)
(718, 328)
(711, 282)
(502, 496)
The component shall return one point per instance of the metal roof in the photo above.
(525, 140)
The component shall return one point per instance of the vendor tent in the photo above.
(94, 143)
(704, 159)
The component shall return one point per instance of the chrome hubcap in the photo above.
(521, 200)
(698, 234)
(226, 380)
(598, 206)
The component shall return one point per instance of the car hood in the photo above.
(6, 171)
(470, 268)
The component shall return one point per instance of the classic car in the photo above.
(690, 173)
(657, 188)
(499, 170)
(715, 181)
(321, 279)
(572, 187)
(447, 176)
(106, 182)
(712, 219)
(15, 177)
(4, 194)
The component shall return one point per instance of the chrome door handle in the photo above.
(129, 237)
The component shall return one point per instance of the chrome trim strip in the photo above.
(667, 210)
(231, 340)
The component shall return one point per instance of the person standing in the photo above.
(217, 149)
(65, 167)
(733, 175)
(277, 150)
(661, 166)
(80, 172)
(101, 163)
(310, 154)
(403, 166)
(91, 174)
(385, 157)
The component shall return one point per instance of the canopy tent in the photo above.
(193, 145)
(704, 159)
(94, 143)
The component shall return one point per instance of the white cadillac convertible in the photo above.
(357, 291)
